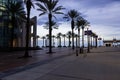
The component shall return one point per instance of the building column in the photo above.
(34, 31)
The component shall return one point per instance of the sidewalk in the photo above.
(100, 64)
(9, 62)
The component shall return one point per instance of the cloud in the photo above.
(105, 15)
(102, 14)
(63, 28)
(106, 32)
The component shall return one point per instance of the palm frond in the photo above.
(73, 14)
(42, 13)
(53, 24)
(59, 13)
(49, 7)
(41, 7)
(58, 8)
(54, 17)
(15, 9)
(66, 16)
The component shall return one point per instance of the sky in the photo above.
(103, 15)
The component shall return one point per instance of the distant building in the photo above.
(111, 43)
(20, 31)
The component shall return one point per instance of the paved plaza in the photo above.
(102, 63)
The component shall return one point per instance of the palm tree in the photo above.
(49, 7)
(15, 10)
(43, 41)
(59, 36)
(69, 33)
(64, 39)
(78, 26)
(76, 36)
(84, 24)
(72, 15)
(29, 4)
(96, 43)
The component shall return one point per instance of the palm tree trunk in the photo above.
(60, 42)
(12, 30)
(43, 42)
(72, 26)
(72, 39)
(82, 49)
(88, 37)
(69, 41)
(82, 37)
(27, 29)
(76, 41)
(64, 41)
(50, 33)
(96, 43)
(91, 42)
(79, 37)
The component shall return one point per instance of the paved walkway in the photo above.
(10, 63)
(101, 64)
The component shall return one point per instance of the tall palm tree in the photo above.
(72, 15)
(64, 39)
(84, 24)
(15, 10)
(43, 41)
(69, 34)
(76, 36)
(29, 4)
(59, 36)
(49, 7)
(78, 26)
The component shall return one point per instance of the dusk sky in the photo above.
(103, 15)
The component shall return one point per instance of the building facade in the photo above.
(111, 43)
(4, 27)
(19, 39)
